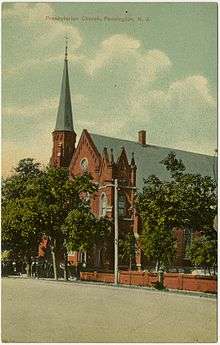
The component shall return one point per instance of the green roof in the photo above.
(64, 115)
(148, 158)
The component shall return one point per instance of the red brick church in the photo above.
(106, 159)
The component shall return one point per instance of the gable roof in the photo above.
(148, 158)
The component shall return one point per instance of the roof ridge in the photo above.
(151, 145)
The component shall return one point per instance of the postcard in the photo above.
(109, 172)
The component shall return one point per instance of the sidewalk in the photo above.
(120, 286)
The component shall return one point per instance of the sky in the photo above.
(132, 66)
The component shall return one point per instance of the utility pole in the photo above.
(116, 229)
(53, 246)
(115, 185)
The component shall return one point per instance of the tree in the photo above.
(79, 229)
(84, 232)
(58, 197)
(37, 202)
(184, 201)
(20, 224)
(127, 248)
(203, 252)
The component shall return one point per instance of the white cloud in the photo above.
(46, 104)
(193, 88)
(35, 146)
(183, 116)
(152, 64)
(173, 115)
(57, 31)
(40, 107)
(13, 150)
(79, 99)
(32, 17)
(188, 93)
(116, 46)
(27, 12)
(31, 63)
(148, 64)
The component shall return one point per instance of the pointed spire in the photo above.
(121, 154)
(66, 47)
(111, 157)
(105, 154)
(133, 164)
(64, 115)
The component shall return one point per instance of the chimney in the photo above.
(142, 137)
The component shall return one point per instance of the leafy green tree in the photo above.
(6, 255)
(47, 202)
(37, 202)
(58, 196)
(79, 229)
(203, 251)
(127, 248)
(20, 223)
(184, 201)
(83, 231)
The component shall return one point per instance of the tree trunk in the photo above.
(28, 269)
(54, 260)
(157, 266)
(130, 262)
(66, 275)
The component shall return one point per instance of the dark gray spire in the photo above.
(64, 115)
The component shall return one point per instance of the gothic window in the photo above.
(121, 204)
(59, 149)
(84, 164)
(103, 205)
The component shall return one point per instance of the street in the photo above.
(48, 311)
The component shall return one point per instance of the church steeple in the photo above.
(64, 115)
(64, 136)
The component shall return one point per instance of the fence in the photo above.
(178, 281)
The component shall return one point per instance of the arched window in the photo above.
(103, 205)
(84, 164)
(121, 204)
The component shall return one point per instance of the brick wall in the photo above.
(171, 280)
(63, 148)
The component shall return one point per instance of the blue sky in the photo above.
(138, 66)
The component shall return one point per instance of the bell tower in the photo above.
(64, 136)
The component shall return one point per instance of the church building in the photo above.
(106, 159)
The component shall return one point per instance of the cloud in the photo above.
(27, 12)
(37, 28)
(152, 64)
(184, 115)
(40, 107)
(13, 151)
(122, 89)
(46, 104)
(115, 47)
(181, 115)
(185, 94)
(193, 88)
(148, 64)
(79, 99)
(37, 62)
(174, 115)
(35, 146)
